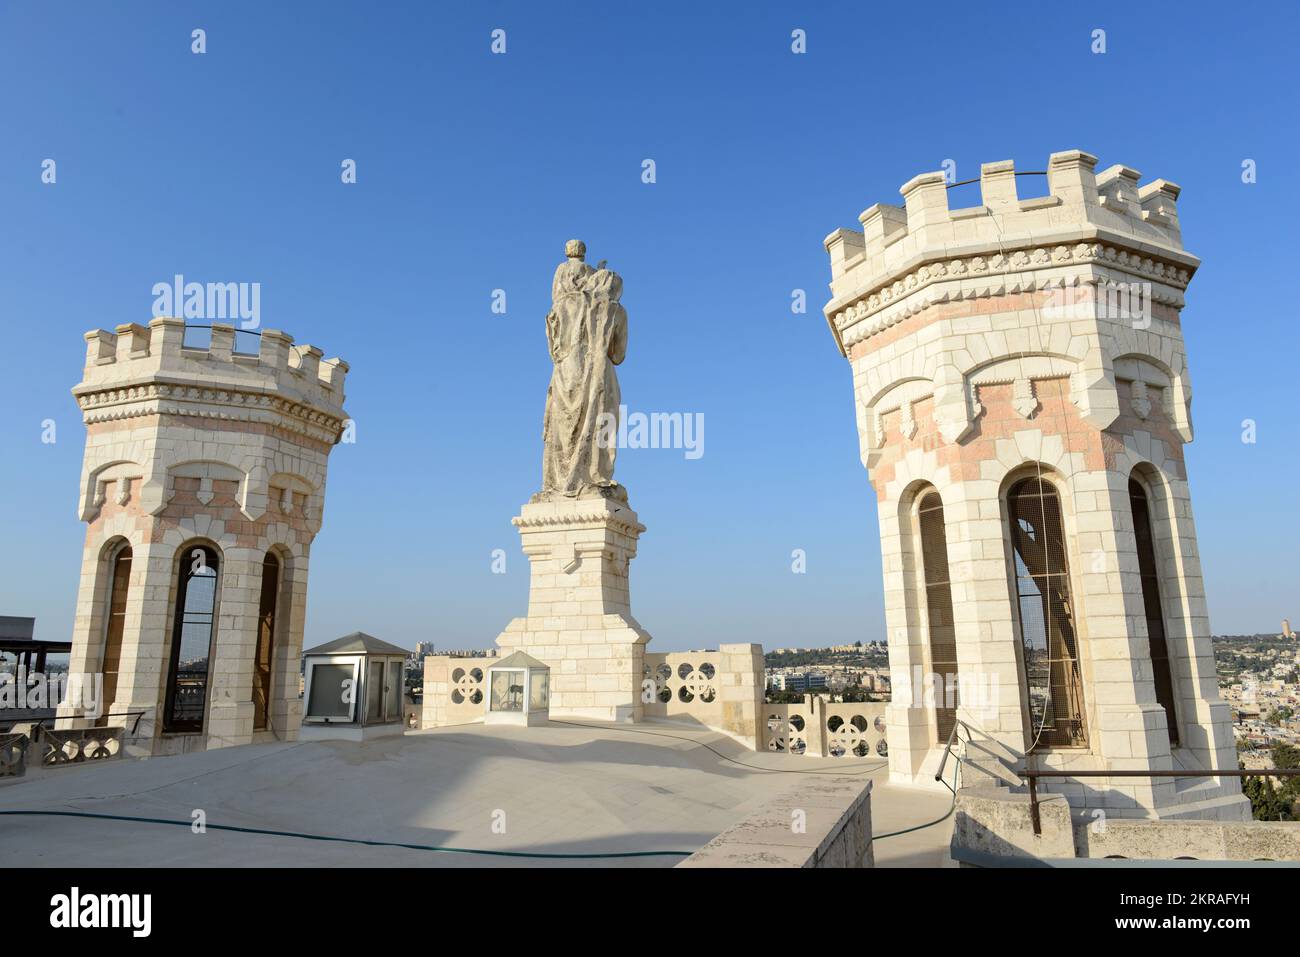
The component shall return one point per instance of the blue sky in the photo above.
(473, 170)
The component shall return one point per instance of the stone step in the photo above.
(991, 749)
(986, 772)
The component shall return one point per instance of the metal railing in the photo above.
(947, 748)
(39, 726)
(1031, 775)
(186, 342)
(967, 182)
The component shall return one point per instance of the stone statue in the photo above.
(586, 331)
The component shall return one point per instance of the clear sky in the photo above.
(472, 171)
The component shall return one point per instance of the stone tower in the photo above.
(203, 486)
(1022, 402)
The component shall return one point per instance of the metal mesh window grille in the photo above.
(112, 662)
(196, 602)
(938, 605)
(1053, 686)
(267, 603)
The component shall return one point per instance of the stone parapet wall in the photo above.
(1195, 840)
(994, 827)
(124, 364)
(821, 728)
(995, 822)
(821, 822)
(886, 270)
(455, 690)
(721, 689)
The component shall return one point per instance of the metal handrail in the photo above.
(1032, 776)
(225, 325)
(1031, 172)
(40, 725)
(947, 750)
(237, 331)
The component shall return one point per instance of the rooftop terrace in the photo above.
(564, 789)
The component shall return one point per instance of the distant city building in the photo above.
(799, 681)
(425, 648)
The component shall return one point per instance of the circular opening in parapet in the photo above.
(683, 670)
(684, 695)
(862, 749)
(798, 746)
(664, 673)
(880, 724)
(833, 723)
(476, 674)
(796, 722)
(707, 696)
(457, 675)
(859, 722)
(708, 670)
(837, 750)
(665, 695)
(882, 748)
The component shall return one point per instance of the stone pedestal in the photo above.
(579, 610)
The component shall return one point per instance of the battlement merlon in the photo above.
(1109, 208)
(133, 355)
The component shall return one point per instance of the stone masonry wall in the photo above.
(188, 447)
(1036, 337)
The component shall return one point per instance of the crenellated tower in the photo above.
(203, 486)
(1022, 401)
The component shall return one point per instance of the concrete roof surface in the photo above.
(562, 788)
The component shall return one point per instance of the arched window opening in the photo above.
(938, 604)
(1151, 604)
(1053, 686)
(192, 631)
(266, 612)
(111, 660)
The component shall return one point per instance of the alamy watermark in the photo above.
(212, 300)
(75, 909)
(976, 692)
(1123, 301)
(36, 690)
(656, 430)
